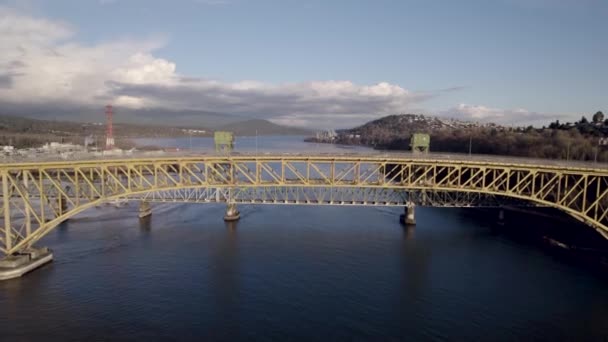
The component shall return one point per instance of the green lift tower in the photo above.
(420, 143)
(224, 141)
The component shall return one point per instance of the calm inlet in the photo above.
(291, 272)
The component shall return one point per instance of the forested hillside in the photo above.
(582, 140)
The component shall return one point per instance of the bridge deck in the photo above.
(45, 193)
(371, 155)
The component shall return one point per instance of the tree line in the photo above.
(582, 140)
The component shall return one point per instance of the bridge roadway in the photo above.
(37, 196)
(363, 154)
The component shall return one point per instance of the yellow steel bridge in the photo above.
(36, 197)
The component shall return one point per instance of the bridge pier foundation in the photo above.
(62, 206)
(14, 266)
(145, 210)
(232, 214)
(409, 216)
(501, 216)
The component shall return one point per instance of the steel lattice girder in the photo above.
(323, 195)
(37, 197)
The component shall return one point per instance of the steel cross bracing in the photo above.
(328, 196)
(36, 197)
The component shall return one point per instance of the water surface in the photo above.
(298, 272)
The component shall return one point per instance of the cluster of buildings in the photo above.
(194, 131)
(53, 148)
(66, 151)
(326, 136)
(434, 123)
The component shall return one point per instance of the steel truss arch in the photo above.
(37, 197)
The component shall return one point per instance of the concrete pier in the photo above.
(232, 214)
(144, 209)
(62, 206)
(408, 217)
(501, 216)
(14, 266)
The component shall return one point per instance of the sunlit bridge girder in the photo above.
(324, 195)
(37, 197)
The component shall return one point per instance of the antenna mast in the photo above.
(109, 133)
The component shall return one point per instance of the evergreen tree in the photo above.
(598, 117)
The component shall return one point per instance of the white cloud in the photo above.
(15, 27)
(47, 65)
(142, 68)
(40, 62)
(480, 113)
(305, 104)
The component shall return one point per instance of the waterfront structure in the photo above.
(326, 136)
(420, 143)
(109, 129)
(145, 209)
(224, 141)
(7, 150)
(36, 197)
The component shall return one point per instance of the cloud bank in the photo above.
(480, 113)
(41, 62)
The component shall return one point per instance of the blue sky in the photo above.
(511, 61)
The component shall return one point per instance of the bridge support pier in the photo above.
(144, 209)
(14, 266)
(232, 214)
(501, 216)
(409, 216)
(62, 206)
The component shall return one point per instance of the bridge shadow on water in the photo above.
(554, 232)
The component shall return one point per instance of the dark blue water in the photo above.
(291, 273)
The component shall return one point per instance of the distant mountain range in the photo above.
(159, 116)
(131, 122)
(262, 127)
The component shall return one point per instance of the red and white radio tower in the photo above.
(109, 135)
